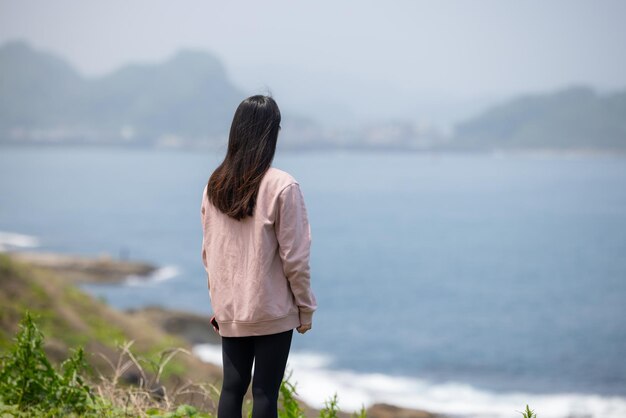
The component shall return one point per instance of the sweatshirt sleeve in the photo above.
(294, 239)
(204, 260)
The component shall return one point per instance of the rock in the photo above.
(194, 328)
(82, 269)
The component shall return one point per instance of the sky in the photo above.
(342, 62)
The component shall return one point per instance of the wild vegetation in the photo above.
(83, 364)
(31, 386)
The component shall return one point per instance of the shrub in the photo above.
(28, 379)
(31, 386)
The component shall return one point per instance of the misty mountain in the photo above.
(37, 89)
(572, 118)
(189, 95)
(188, 101)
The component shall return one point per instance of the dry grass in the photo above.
(148, 393)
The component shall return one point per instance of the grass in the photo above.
(101, 329)
(528, 413)
(31, 386)
(69, 317)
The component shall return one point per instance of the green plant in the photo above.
(182, 411)
(31, 386)
(248, 407)
(331, 408)
(361, 414)
(28, 379)
(528, 413)
(290, 406)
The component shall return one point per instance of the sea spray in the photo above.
(13, 241)
(159, 275)
(316, 380)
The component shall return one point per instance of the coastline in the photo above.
(125, 296)
(81, 269)
(384, 396)
(189, 327)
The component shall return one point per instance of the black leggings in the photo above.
(269, 353)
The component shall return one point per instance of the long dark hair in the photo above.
(234, 185)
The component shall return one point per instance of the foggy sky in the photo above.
(340, 61)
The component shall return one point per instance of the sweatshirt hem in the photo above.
(273, 326)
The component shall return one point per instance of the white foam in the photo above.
(159, 275)
(209, 353)
(316, 382)
(10, 241)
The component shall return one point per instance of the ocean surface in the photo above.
(462, 284)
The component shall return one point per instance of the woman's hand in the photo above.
(214, 324)
(304, 328)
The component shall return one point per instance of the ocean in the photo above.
(467, 284)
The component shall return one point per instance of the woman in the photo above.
(255, 249)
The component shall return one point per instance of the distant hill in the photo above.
(42, 98)
(572, 118)
(189, 101)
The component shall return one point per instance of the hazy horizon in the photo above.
(346, 62)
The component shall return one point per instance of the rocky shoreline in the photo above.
(193, 328)
(190, 327)
(81, 269)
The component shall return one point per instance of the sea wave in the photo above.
(316, 381)
(159, 275)
(13, 241)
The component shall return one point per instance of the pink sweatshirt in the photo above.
(258, 268)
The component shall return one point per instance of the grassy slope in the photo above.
(69, 317)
